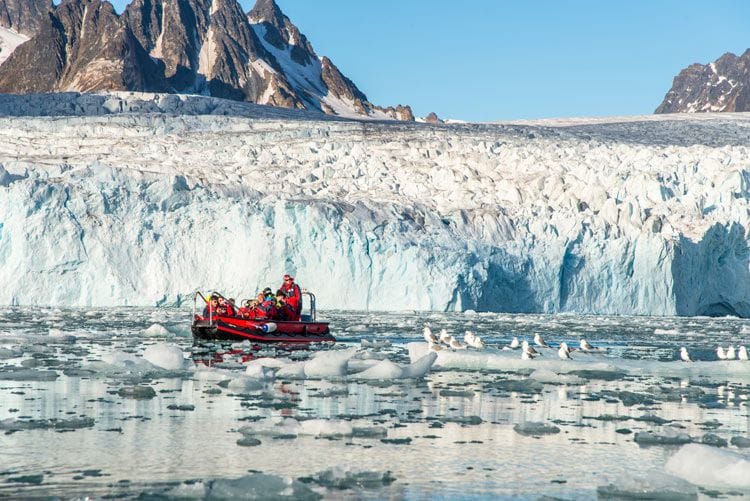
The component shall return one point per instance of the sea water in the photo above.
(84, 413)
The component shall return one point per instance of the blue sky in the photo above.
(494, 59)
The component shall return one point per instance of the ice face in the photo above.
(640, 216)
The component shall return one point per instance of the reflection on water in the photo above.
(453, 433)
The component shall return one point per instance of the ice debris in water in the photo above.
(244, 384)
(342, 478)
(655, 486)
(328, 363)
(165, 356)
(259, 371)
(137, 392)
(375, 343)
(156, 330)
(385, 369)
(710, 467)
(312, 427)
(41, 424)
(668, 437)
(260, 486)
(18, 374)
(119, 361)
(531, 428)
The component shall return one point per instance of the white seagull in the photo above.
(456, 344)
(514, 344)
(473, 340)
(539, 341)
(586, 346)
(563, 352)
(720, 353)
(429, 336)
(684, 355)
(445, 338)
(731, 355)
(528, 349)
(742, 355)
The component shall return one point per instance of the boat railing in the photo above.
(313, 312)
(205, 301)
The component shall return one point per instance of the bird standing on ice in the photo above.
(563, 352)
(720, 353)
(528, 349)
(473, 340)
(731, 355)
(445, 338)
(539, 341)
(742, 355)
(514, 344)
(434, 346)
(586, 346)
(429, 336)
(456, 344)
(684, 355)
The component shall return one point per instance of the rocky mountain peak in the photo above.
(23, 16)
(208, 47)
(723, 85)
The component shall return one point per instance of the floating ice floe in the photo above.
(710, 467)
(75, 423)
(323, 428)
(385, 369)
(507, 360)
(257, 486)
(342, 478)
(19, 374)
(156, 330)
(165, 356)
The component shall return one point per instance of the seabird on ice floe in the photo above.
(429, 336)
(720, 353)
(445, 338)
(539, 341)
(456, 344)
(586, 346)
(684, 355)
(563, 352)
(528, 349)
(473, 340)
(514, 344)
(731, 355)
(742, 354)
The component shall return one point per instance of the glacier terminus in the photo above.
(141, 199)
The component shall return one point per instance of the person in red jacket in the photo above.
(293, 295)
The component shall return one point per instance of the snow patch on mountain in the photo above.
(151, 197)
(9, 41)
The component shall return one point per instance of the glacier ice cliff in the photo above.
(129, 199)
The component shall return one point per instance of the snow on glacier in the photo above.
(139, 199)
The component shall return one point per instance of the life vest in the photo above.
(293, 296)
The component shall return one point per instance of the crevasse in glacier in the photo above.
(643, 215)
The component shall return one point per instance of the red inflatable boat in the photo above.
(230, 328)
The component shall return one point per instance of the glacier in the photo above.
(141, 199)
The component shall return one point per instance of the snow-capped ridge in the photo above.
(207, 47)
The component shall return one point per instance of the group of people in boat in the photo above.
(284, 304)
